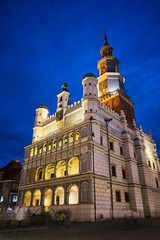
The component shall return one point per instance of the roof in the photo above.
(89, 75)
(11, 170)
(42, 106)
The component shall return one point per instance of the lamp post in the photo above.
(109, 164)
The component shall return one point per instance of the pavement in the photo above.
(147, 229)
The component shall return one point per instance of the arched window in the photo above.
(44, 147)
(73, 166)
(59, 142)
(36, 198)
(84, 162)
(49, 146)
(39, 174)
(84, 133)
(40, 149)
(73, 195)
(47, 199)
(60, 100)
(31, 152)
(54, 144)
(61, 169)
(70, 137)
(35, 151)
(31, 176)
(27, 198)
(84, 192)
(59, 196)
(49, 173)
(77, 135)
(65, 140)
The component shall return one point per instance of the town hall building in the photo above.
(90, 156)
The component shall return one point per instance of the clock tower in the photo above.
(111, 90)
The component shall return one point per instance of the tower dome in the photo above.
(42, 106)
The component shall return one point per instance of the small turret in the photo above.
(63, 98)
(41, 115)
(90, 96)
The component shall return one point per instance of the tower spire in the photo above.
(105, 39)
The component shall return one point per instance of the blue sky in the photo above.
(44, 43)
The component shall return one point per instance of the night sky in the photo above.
(44, 43)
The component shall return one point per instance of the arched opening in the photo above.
(49, 173)
(39, 174)
(70, 137)
(84, 192)
(47, 199)
(44, 147)
(40, 149)
(31, 153)
(73, 195)
(61, 169)
(59, 142)
(65, 140)
(35, 151)
(77, 136)
(36, 198)
(49, 146)
(54, 144)
(59, 196)
(73, 166)
(31, 176)
(27, 198)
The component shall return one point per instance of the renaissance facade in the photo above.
(89, 156)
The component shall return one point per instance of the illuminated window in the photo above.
(27, 198)
(77, 135)
(65, 140)
(15, 198)
(31, 153)
(61, 169)
(47, 199)
(40, 149)
(70, 137)
(118, 196)
(59, 142)
(39, 174)
(84, 192)
(54, 144)
(73, 166)
(44, 147)
(36, 198)
(73, 194)
(31, 176)
(49, 146)
(35, 151)
(49, 173)
(113, 168)
(59, 196)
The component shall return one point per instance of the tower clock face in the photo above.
(103, 87)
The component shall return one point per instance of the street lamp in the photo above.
(109, 164)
